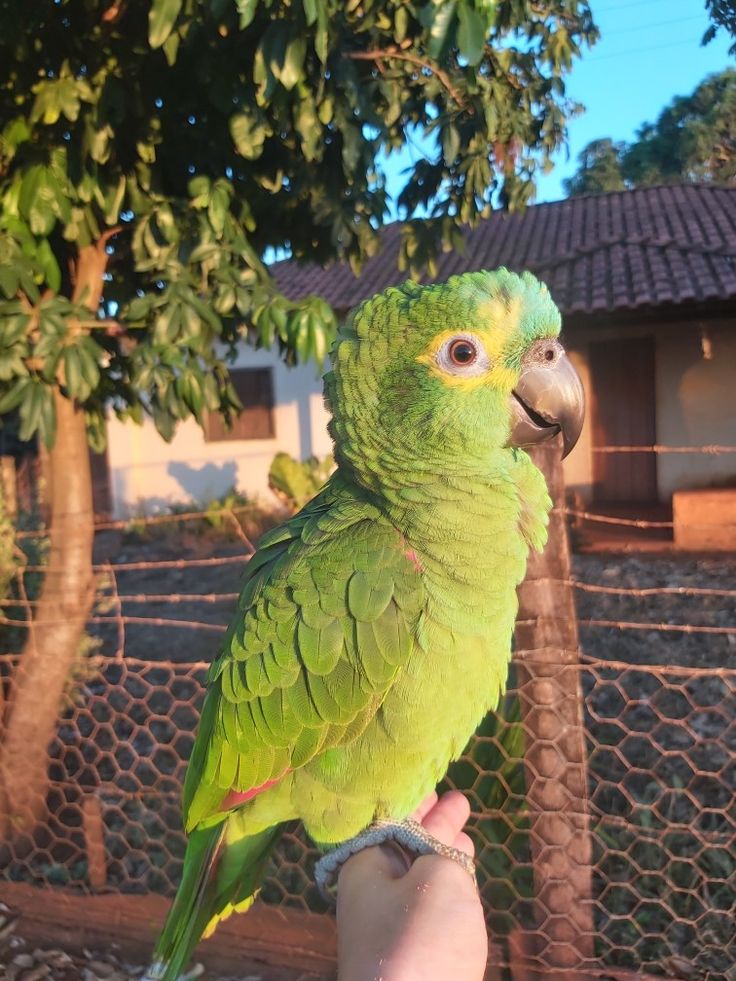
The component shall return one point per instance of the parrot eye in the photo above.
(545, 352)
(463, 355)
(462, 352)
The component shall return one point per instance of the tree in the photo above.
(151, 153)
(599, 169)
(723, 14)
(693, 140)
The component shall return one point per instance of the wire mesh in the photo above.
(653, 824)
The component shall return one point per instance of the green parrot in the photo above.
(373, 630)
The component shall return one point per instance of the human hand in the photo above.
(424, 923)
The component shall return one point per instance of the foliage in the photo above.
(211, 521)
(599, 168)
(693, 140)
(183, 138)
(722, 14)
(296, 482)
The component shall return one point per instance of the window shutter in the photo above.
(256, 420)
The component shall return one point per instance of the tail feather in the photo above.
(221, 876)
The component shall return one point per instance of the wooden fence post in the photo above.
(94, 835)
(552, 709)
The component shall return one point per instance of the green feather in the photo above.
(369, 595)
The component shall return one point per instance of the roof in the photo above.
(625, 250)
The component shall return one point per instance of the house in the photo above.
(282, 411)
(646, 282)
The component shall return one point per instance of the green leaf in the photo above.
(30, 409)
(114, 201)
(218, 208)
(290, 72)
(450, 144)
(11, 366)
(74, 382)
(97, 430)
(199, 191)
(249, 133)
(47, 419)
(471, 33)
(171, 48)
(164, 422)
(401, 24)
(310, 11)
(13, 397)
(321, 38)
(139, 308)
(47, 261)
(308, 126)
(13, 328)
(161, 19)
(17, 131)
(247, 11)
(89, 352)
(8, 281)
(439, 18)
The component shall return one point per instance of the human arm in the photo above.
(424, 923)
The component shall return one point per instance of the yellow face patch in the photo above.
(500, 321)
(496, 374)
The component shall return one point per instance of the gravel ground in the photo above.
(654, 646)
(23, 961)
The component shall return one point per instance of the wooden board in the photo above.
(298, 945)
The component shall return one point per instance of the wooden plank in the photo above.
(94, 835)
(555, 759)
(280, 938)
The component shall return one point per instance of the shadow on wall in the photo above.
(204, 483)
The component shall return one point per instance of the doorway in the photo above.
(623, 413)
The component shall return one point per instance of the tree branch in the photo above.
(380, 54)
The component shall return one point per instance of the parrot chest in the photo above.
(455, 675)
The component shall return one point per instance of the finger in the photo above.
(465, 844)
(446, 819)
(425, 807)
(371, 865)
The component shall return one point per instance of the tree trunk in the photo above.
(552, 706)
(64, 605)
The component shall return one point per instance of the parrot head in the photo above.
(451, 374)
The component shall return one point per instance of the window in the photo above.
(255, 391)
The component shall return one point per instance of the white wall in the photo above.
(148, 474)
(695, 403)
(696, 406)
(577, 466)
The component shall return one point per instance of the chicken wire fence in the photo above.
(645, 817)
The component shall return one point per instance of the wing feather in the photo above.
(325, 622)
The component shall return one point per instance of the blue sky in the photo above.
(649, 51)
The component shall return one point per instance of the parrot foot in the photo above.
(409, 835)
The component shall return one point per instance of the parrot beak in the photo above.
(547, 401)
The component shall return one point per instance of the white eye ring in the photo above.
(464, 355)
